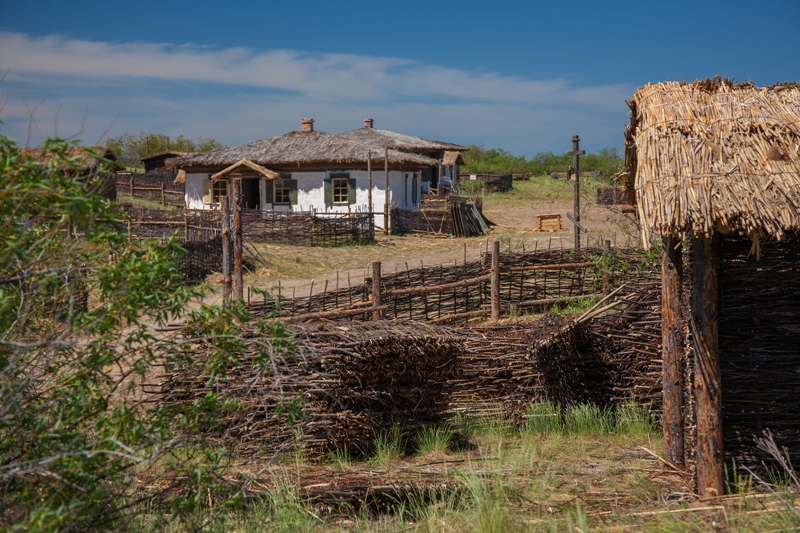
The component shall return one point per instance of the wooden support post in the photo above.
(185, 226)
(376, 290)
(386, 191)
(131, 185)
(495, 280)
(707, 380)
(226, 250)
(672, 349)
(238, 283)
(163, 200)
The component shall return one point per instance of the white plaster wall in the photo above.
(194, 191)
(311, 195)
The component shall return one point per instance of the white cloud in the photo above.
(237, 94)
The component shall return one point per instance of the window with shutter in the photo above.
(208, 192)
(340, 188)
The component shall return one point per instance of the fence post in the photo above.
(163, 202)
(226, 251)
(495, 280)
(672, 349)
(376, 290)
(131, 185)
(185, 226)
(238, 283)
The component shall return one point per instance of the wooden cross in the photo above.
(574, 174)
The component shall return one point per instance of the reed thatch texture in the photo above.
(180, 179)
(84, 158)
(714, 155)
(397, 141)
(300, 148)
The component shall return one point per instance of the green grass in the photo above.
(434, 440)
(389, 446)
(539, 190)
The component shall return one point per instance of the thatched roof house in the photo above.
(718, 163)
(83, 162)
(715, 155)
(310, 169)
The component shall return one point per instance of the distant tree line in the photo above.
(130, 148)
(497, 160)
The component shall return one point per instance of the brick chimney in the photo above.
(368, 122)
(306, 125)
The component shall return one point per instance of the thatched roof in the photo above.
(267, 173)
(180, 179)
(453, 158)
(168, 153)
(82, 156)
(296, 149)
(715, 155)
(389, 139)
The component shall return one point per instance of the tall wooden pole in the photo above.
(495, 280)
(238, 283)
(708, 379)
(386, 190)
(226, 251)
(576, 187)
(376, 290)
(672, 348)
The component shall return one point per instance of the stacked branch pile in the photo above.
(341, 387)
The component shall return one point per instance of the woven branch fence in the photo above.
(532, 280)
(155, 187)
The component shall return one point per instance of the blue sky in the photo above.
(524, 76)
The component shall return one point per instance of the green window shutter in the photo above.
(269, 195)
(351, 191)
(328, 190)
(414, 192)
(293, 192)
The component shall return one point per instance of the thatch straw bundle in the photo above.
(715, 155)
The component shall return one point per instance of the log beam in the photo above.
(707, 381)
(672, 348)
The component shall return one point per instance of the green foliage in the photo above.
(79, 308)
(129, 148)
(542, 417)
(479, 159)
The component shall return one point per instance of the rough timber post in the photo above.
(672, 348)
(495, 280)
(576, 153)
(238, 283)
(226, 251)
(707, 379)
(376, 290)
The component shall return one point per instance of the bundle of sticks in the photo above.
(341, 387)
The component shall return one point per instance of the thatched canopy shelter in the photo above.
(297, 149)
(718, 163)
(82, 165)
(245, 165)
(714, 155)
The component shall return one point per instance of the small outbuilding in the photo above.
(714, 168)
(84, 167)
(157, 163)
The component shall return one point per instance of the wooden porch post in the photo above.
(671, 336)
(707, 381)
(386, 191)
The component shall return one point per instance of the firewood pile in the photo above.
(342, 386)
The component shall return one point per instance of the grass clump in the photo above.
(588, 419)
(341, 459)
(634, 419)
(542, 417)
(389, 446)
(434, 440)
